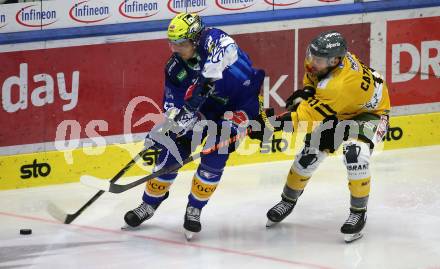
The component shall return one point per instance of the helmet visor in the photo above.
(313, 62)
(178, 41)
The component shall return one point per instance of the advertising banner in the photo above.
(65, 101)
(413, 58)
(57, 14)
(58, 167)
(273, 52)
(79, 91)
(88, 91)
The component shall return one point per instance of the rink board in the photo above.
(57, 167)
(51, 88)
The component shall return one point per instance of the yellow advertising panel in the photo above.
(57, 167)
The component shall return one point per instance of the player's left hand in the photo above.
(325, 132)
(183, 118)
(295, 99)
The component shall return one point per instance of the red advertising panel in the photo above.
(413, 60)
(356, 35)
(94, 87)
(91, 85)
(273, 52)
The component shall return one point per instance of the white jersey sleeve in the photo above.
(222, 52)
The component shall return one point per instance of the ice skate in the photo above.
(127, 227)
(143, 212)
(354, 224)
(192, 222)
(280, 211)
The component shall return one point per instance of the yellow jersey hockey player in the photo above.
(351, 102)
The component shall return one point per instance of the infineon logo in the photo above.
(3, 20)
(138, 9)
(234, 4)
(194, 6)
(33, 16)
(282, 3)
(86, 12)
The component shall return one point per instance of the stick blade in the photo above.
(56, 212)
(95, 182)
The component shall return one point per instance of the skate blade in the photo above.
(270, 223)
(127, 227)
(348, 238)
(188, 235)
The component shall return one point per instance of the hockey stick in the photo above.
(112, 187)
(65, 218)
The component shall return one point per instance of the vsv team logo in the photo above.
(89, 12)
(133, 9)
(33, 16)
(193, 6)
(234, 4)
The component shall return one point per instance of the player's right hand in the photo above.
(265, 126)
(283, 121)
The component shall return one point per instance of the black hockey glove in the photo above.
(160, 135)
(283, 121)
(197, 93)
(265, 126)
(327, 137)
(180, 121)
(295, 99)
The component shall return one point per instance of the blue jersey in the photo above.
(218, 59)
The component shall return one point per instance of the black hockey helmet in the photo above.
(328, 44)
(324, 52)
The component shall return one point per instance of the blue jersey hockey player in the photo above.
(207, 77)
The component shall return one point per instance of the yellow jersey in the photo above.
(352, 88)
